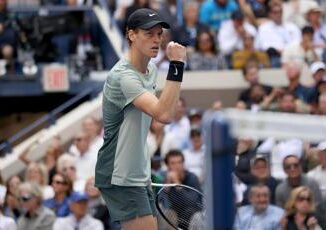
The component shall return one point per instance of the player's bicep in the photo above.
(147, 103)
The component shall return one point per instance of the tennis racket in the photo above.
(181, 206)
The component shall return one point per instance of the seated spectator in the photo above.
(213, 13)
(12, 66)
(169, 12)
(186, 33)
(176, 134)
(296, 178)
(275, 34)
(300, 208)
(256, 97)
(303, 93)
(97, 207)
(155, 138)
(319, 173)
(195, 118)
(255, 11)
(66, 165)
(232, 32)
(260, 171)
(294, 11)
(78, 219)
(302, 52)
(250, 73)
(176, 173)
(36, 215)
(205, 55)
(7, 33)
(249, 54)
(314, 19)
(11, 207)
(246, 150)
(259, 214)
(37, 173)
(62, 187)
(195, 155)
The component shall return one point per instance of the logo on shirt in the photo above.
(151, 15)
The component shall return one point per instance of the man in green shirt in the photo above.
(129, 104)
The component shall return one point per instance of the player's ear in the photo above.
(132, 35)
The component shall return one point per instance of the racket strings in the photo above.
(180, 205)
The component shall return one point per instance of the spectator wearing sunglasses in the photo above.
(62, 187)
(295, 178)
(300, 209)
(36, 216)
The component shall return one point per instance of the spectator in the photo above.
(37, 173)
(186, 33)
(195, 155)
(314, 19)
(155, 137)
(66, 165)
(62, 187)
(97, 207)
(274, 35)
(78, 219)
(302, 52)
(176, 173)
(169, 12)
(92, 127)
(195, 118)
(36, 216)
(296, 178)
(319, 173)
(250, 73)
(7, 33)
(232, 32)
(214, 12)
(294, 11)
(249, 54)
(205, 56)
(176, 134)
(12, 66)
(6, 223)
(260, 214)
(246, 150)
(303, 93)
(260, 171)
(299, 210)
(11, 207)
(318, 71)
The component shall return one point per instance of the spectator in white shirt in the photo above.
(232, 33)
(319, 173)
(7, 223)
(78, 219)
(176, 134)
(195, 155)
(274, 35)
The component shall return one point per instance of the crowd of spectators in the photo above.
(278, 183)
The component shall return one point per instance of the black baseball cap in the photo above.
(145, 19)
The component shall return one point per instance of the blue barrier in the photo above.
(220, 165)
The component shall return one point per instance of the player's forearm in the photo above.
(167, 101)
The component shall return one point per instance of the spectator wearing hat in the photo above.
(314, 19)
(318, 70)
(78, 219)
(302, 52)
(319, 173)
(195, 118)
(259, 214)
(36, 215)
(232, 32)
(260, 171)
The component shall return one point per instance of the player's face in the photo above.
(148, 41)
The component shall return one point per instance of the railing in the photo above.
(49, 119)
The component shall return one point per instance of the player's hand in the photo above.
(176, 52)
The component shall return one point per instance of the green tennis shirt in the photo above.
(124, 159)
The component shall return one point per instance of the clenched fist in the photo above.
(176, 52)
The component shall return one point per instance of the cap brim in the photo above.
(154, 23)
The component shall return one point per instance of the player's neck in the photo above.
(138, 60)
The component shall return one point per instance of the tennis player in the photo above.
(129, 105)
